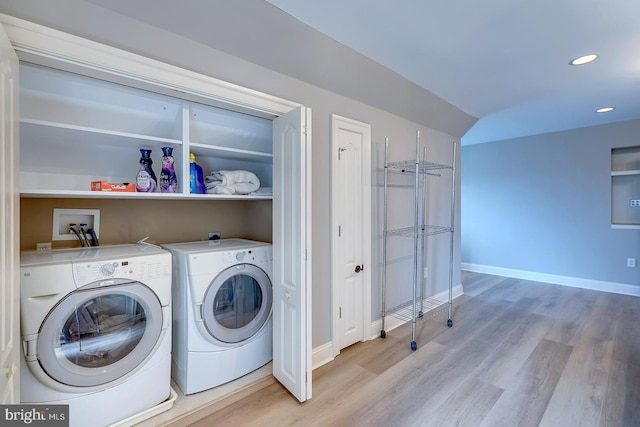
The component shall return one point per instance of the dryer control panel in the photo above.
(201, 261)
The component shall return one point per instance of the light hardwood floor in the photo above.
(519, 354)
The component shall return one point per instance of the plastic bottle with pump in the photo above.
(196, 178)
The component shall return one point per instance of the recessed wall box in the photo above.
(63, 217)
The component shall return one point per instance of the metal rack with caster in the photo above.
(418, 307)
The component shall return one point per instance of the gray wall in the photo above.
(262, 34)
(543, 204)
(96, 23)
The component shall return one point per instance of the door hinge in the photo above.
(339, 231)
(339, 312)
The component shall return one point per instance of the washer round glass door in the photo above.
(98, 334)
(237, 303)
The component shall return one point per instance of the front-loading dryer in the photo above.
(96, 331)
(222, 300)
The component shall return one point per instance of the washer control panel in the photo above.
(134, 268)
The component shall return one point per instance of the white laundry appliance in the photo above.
(222, 300)
(96, 331)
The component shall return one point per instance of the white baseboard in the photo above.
(321, 355)
(391, 322)
(576, 282)
(324, 353)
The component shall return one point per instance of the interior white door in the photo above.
(292, 251)
(9, 225)
(351, 212)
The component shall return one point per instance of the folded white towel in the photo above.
(231, 182)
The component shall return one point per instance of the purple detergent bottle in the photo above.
(168, 177)
(146, 179)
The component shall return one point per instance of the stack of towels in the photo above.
(231, 182)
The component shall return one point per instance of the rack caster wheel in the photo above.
(414, 346)
(449, 323)
(383, 334)
(420, 314)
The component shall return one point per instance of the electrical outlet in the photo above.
(631, 262)
(214, 235)
(43, 246)
(634, 202)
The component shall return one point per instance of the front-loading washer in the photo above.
(96, 331)
(222, 300)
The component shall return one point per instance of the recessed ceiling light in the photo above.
(605, 109)
(584, 59)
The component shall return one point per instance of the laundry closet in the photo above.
(86, 111)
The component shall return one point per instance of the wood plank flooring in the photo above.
(520, 353)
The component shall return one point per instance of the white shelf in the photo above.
(53, 96)
(625, 173)
(229, 153)
(626, 226)
(62, 194)
(78, 133)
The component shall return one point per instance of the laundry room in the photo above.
(245, 212)
(59, 178)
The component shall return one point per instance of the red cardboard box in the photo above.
(106, 186)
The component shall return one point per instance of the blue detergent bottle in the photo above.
(196, 178)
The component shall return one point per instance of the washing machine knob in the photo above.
(240, 256)
(107, 269)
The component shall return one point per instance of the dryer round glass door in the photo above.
(98, 334)
(237, 303)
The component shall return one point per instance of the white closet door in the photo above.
(292, 251)
(9, 225)
(351, 230)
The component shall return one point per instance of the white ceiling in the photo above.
(505, 62)
(502, 61)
